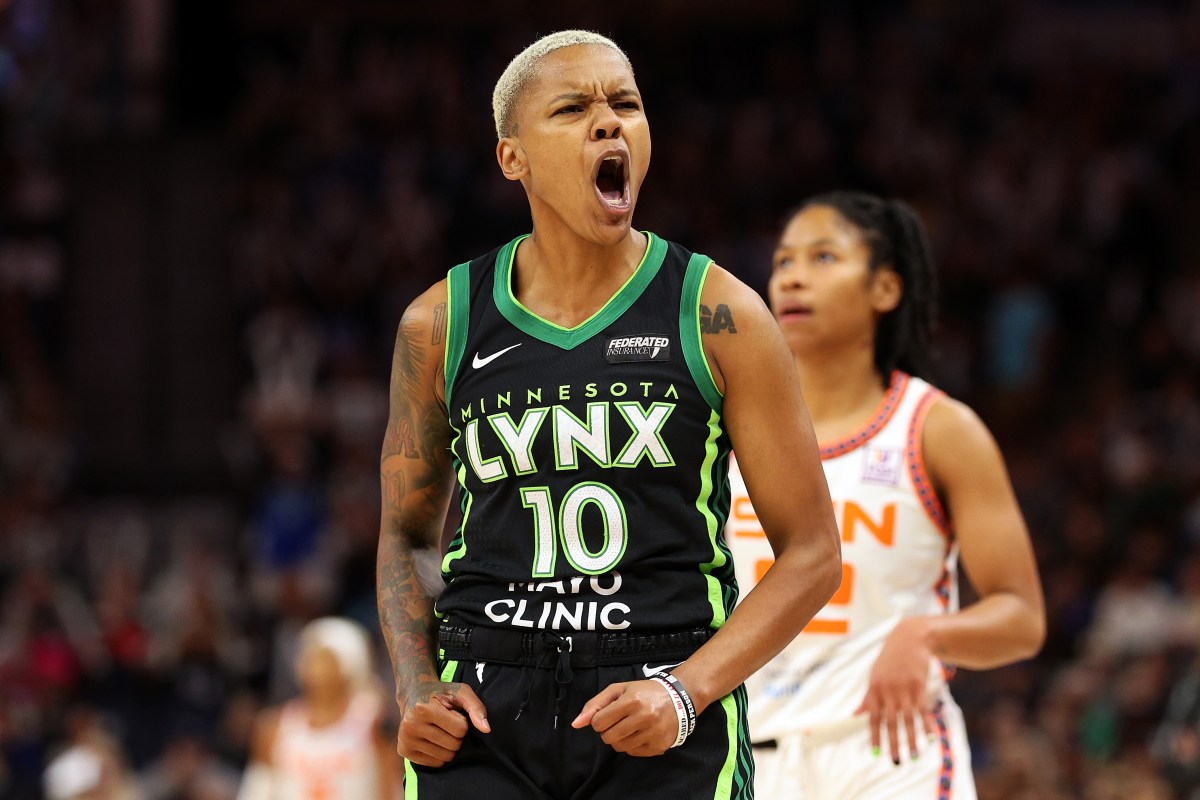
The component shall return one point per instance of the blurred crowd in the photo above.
(1052, 148)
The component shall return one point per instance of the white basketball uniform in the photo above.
(334, 762)
(899, 559)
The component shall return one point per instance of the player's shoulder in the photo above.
(948, 419)
(426, 303)
(726, 301)
(955, 436)
(426, 314)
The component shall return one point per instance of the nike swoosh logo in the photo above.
(650, 671)
(478, 362)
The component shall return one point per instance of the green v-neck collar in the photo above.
(568, 338)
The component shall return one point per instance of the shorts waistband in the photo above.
(586, 648)
(817, 735)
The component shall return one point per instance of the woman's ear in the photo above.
(511, 158)
(887, 289)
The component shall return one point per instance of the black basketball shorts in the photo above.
(533, 753)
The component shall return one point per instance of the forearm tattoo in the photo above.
(414, 468)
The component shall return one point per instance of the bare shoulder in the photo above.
(954, 424)
(726, 302)
(957, 444)
(428, 311)
(737, 326)
(419, 355)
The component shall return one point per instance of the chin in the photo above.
(616, 232)
(608, 230)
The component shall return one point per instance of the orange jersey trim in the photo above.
(916, 465)
(879, 418)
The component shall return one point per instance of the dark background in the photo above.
(214, 213)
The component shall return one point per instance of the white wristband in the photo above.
(680, 710)
(688, 706)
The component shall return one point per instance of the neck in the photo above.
(839, 385)
(565, 278)
(573, 254)
(326, 708)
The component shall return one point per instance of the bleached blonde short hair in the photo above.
(521, 69)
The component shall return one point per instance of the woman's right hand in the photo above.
(433, 721)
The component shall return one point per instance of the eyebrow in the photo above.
(579, 97)
(822, 242)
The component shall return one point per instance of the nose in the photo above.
(790, 277)
(608, 125)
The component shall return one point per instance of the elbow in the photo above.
(829, 576)
(1026, 637)
(815, 565)
(1029, 632)
(1034, 634)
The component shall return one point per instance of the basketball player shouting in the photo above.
(577, 383)
(915, 477)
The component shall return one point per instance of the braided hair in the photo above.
(896, 238)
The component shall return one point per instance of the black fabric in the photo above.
(669, 575)
(586, 649)
(539, 756)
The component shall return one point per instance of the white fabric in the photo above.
(256, 782)
(837, 764)
(73, 773)
(895, 557)
(334, 762)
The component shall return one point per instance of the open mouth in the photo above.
(612, 184)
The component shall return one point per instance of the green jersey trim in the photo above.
(689, 331)
(458, 546)
(725, 779)
(410, 781)
(557, 335)
(743, 776)
(458, 305)
(410, 774)
(704, 504)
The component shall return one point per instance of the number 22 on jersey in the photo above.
(851, 518)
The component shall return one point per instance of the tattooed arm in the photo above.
(769, 427)
(415, 476)
(767, 422)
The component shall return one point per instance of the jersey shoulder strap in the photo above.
(690, 334)
(458, 313)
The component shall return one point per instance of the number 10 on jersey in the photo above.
(566, 527)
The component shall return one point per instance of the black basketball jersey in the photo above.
(592, 460)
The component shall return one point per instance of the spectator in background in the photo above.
(328, 742)
(189, 770)
(91, 765)
(1177, 741)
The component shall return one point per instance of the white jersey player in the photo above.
(857, 706)
(327, 744)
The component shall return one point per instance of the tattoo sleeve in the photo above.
(415, 487)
